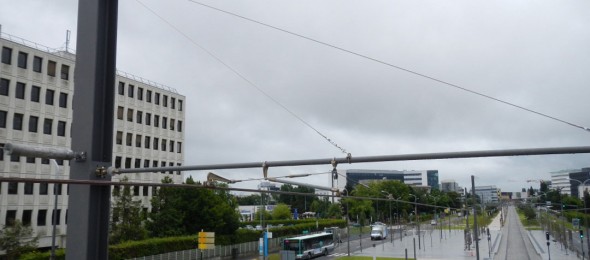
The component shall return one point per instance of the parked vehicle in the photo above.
(433, 222)
(378, 232)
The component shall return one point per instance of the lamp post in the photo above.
(584, 219)
(390, 197)
(435, 213)
(417, 219)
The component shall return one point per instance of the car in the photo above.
(433, 222)
(250, 227)
(258, 227)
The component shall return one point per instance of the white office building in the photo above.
(36, 93)
(450, 186)
(487, 194)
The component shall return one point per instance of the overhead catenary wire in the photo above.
(446, 83)
(196, 186)
(240, 75)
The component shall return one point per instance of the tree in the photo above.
(529, 213)
(334, 211)
(126, 220)
(281, 211)
(17, 239)
(165, 219)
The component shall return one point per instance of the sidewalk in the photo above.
(556, 249)
(450, 246)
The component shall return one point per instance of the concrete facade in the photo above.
(36, 93)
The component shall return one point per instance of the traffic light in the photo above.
(547, 235)
(581, 233)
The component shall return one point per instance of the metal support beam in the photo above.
(365, 159)
(92, 128)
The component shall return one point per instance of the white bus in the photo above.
(308, 246)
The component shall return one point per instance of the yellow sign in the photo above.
(206, 246)
(206, 234)
(447, 210)
(206, 240)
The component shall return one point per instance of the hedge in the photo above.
(155, 246)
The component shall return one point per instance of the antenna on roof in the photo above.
(67, 40)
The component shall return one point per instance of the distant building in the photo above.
(450, 186)
(487, 194)
(569, 181)
(426, 179)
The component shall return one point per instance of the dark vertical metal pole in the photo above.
(475, 235)
(347, 228)
(92, 128)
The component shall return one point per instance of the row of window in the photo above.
(33, 123)
(146, 164)
(23, 63)
(28, 188)
(20, 91)
(41, 217)
(139, 118)
(148, 96)
(147, 142)
(32, 160)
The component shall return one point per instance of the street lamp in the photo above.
(390, 197)
(435, 212)
(417, 220)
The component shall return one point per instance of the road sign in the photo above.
(206, 240)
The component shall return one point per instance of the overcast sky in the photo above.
(532, 53)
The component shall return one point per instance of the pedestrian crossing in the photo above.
(339, 254)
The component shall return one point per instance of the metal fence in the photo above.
(230, 251)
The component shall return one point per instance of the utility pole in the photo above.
(92, 128)
(475, 236)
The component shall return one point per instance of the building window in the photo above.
(179, 105)
(4, 85)
(56, 217)
(42, 217)
(127, 163)
(157, 99)
(51, 66)
(164, 122)
(13, 188)
(6, 55)
(130, 115)
(178, 172)
(138, 141)
(137, 163)
(10, 217)
(139, 93)
(171, 146)
(118, 162)
(58, 185)
(47, 126)
(145, 190)
(165, 100)
(35, 93)
(130, 91)
(179, 147)
(61, 128)
(49, 94)
(17, 121)
(172, 124)
(156, 141)
(14, 158)
(172, 103)
(65, 72)
(156, 120)
(148, 119)
(22, 59)
(27, 213)
(43, 187)
(146, 163)
(120, 113)
(33, 124)
(171, 164)
(119, 139)
(30, 159)
(20, 90)
(139, 118)
(155, 164)
(3, 115)
(44, 161)
(121, 88)
(128, 140)
(28, 188)
(135, 190)
(164, 145)
(63, 100)
(37, 64)
(163, 164)
(148, 96)
(146, 143)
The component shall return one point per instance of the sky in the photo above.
(531, 53)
